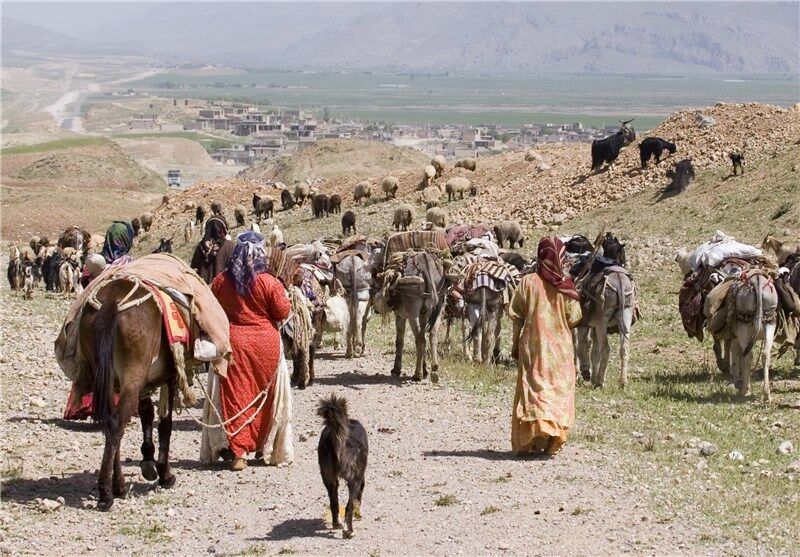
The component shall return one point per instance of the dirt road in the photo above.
(441, 479)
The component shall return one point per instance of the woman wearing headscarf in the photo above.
(119, 241)
(255, 302)
(213, 252)
(544, 309)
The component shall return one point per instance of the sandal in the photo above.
(238, 464)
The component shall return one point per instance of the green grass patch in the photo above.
(148, 531)
(446, 500)
(56, 145)
(491, 509)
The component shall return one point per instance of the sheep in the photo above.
(654, 147)
(239, 213)
(437, 216)
(147, 221)
(301, 193)
(136, 224)
(255, 228)
(265, 208)
(188, 206)
(216, 208)
(275, 236)
(403, 216)
(738, 162)
(15, 276)
(363, 190)
(533, 156)
(188, 231)
(389, 186)
(335, 318)
(287, 201)
(607, 150)
(467, 164)
(96, 243)
(335, 203)
(69, 271)
(348, 223)
(440, 164)
(509, 230)
(428, 174)
(35, 242)
(319, 206)
(459, 185)
(430, 196)
(200, 216)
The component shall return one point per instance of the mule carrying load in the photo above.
(132, 331)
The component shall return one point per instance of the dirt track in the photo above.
(426, 442)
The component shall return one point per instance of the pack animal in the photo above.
(342, 453)
(654, 147)
(607, 150)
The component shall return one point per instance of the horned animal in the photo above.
(287, 201)
(256, 199)
(319, 206)
(738, 162)
(607, 150)
(653, 147)
(199, 216)
(681, 176)
(335, 203)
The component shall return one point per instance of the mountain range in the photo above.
(552, 37)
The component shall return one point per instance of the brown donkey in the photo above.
(128, 348)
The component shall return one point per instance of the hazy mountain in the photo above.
(644, 37)
(18, 35)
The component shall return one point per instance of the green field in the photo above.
(473, 99)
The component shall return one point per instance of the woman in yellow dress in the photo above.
(544, 309)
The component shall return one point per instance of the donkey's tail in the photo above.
(623, 297)
(758, 318)
(105, 337)
(478, 326)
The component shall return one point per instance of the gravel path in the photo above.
(428, 443)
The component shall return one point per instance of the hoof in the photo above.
(347, 534)
(416, 378)
(586, 374)
(105, 506)
(120, 492)
(168, 481)
(149, 471)
(597, 385)
(395, 372)
(337, 525)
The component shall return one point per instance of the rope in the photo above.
(222, 423)
(126, 303)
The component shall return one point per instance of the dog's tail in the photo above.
(333, 411)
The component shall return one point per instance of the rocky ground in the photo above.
(441, 479)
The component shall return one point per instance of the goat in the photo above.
(335, 204)
(607, 150)
(136, 224)
(653, 147)
(348, 223)
(164, 246)
(682, 175)
(216, 208)
(782, 250)
(319, 206)
(256, 199)
(738, 162)
(287, 201)
(199, 215)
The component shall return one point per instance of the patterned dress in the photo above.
(544, 403)
(256, 350)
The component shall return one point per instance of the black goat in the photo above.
(607, 150)
(49, 272)
(264, 209)
(335, 204)
(653, 147)
(164, 246)
(287, 201)
(348, 223)
(136, 224)
(199, 215)
(256, 199)
(738, 162)
(319, 206)
(515, 260)
(682, 175)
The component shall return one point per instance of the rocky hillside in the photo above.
(539, 194)
(330, 158)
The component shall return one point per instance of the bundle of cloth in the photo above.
(457, 236)
(189, 309)
(720, 248)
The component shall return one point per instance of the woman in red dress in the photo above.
(254, 302)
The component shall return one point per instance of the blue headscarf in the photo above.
(248, 260)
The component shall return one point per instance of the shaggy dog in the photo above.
(342, 453)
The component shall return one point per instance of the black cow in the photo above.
(738, 162)
(348, 223)
(607, 150)
(654, 147)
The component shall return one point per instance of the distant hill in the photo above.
(652, 38)
(19, 37)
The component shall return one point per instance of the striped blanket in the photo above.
(495, 275)
(420, 240)
(283, 268)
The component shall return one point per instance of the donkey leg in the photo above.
(148, 464)
(111, 430)
(497, 330)
(581, 339)
(433, 351)
(418, 330)
(127, 401)
(400, 333)
(166, 478)
(601, 338)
